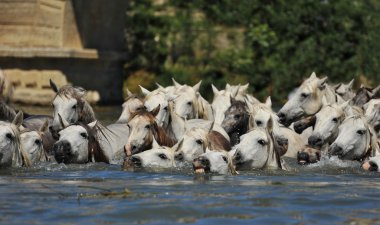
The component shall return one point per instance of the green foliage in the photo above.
(271, 44)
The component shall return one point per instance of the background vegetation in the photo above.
(271, 44)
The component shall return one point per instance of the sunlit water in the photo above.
(330, 192)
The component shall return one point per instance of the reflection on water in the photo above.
(331, 192)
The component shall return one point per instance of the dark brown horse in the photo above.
(236, 120)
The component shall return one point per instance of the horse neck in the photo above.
(87, 115)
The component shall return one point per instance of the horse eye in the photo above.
(166, 108)
(74, 106)
(53, 106)
(162, 156)
(335, 120)
(147, 126)
(189, 103)
(236, 117)
(360, 132)
(199, 141)
(37, 142)
(224, 159)
(83, 134)
(259, 123)
(261, 142)
(9, 136)
(128, 126)
(304, 95)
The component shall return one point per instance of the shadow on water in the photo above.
(329, 192)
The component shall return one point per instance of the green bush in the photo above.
(272, 45)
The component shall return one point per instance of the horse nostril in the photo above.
(315, 141)
(179, 157)
(136, 161)
(281, 115)
(302, 158)
(373, 166)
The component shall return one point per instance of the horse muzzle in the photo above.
(201, 165)
(62, 151)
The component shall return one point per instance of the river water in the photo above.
(330, 192)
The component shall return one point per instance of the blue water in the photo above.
(325, 193)
(95, 194)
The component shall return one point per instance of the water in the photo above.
(332, 192)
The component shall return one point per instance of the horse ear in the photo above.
(197, 86)
(159, 86)
(215, 90)
(155, 143)
(93, 124)
(236, 91)
(344, 105)
(44, 127)
(155, 111)
(270, 125)
(211, 126)
(18, 119)
(53, 86)
(62, 121)
(144, 91)
(129, 93)
(228, 86)
(322, 83)
(177, 146)
(176, 84)
(350, 84)
(313, 75)
(268, 102)
(244, 88)
(374, 91)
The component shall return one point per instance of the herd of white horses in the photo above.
(175, 127)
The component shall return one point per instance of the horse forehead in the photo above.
(257, 132)
(5, 128)
(353, 123)
(72, 130)
(64, 98)
(140, 120)
(30, 134)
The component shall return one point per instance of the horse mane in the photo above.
(86, 115)
(94, 149)
(161, 136)
(218, 141)
(159, 133)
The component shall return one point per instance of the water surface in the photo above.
(331, 192)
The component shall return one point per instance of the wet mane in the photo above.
(158, 132)
(86, 113)
(94, 149)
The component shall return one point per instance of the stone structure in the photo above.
(82, 40)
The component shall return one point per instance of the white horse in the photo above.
(345, 90)
(256, 150)
(356, 140)
(12, 153)
(131, 105)
(307, 100)
(32, 143)
(195, 141)
(218, 162)
(260, 116)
